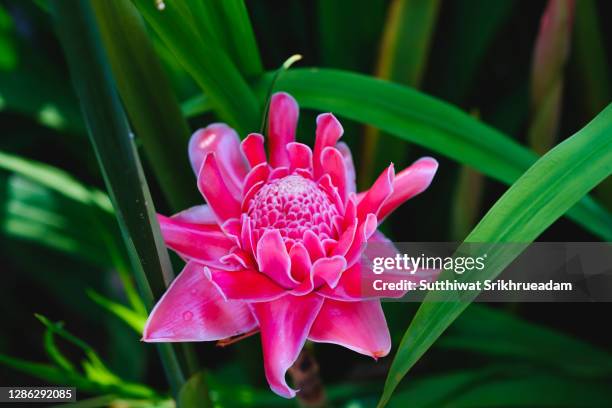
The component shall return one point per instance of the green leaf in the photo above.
(403, 55)
(507, 336)
(228, 22)
(549, 188)
(118, 159)
(194, 393)
(211, 68)
(149, 101)
(421, 119)
(132, 318)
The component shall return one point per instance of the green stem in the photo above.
(112, 141)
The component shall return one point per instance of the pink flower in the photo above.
(278, 247)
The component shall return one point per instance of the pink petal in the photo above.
(257, 174)
(362, 235)
(409, 183)
(301, 269)
(284, 324)
(349, 288)
(212, 186)
(282, 123)
(224, 142)
(300, 156)
(195, 241)
(358, 326)
(375, 197)
(329, 270)
(333, 164)
(246, 285)
(351, 175)
(313, 245)
(199, 214)
(274, 260)
(193, 310)
(253, 149)
(329, 130)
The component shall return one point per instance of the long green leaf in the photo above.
(119, 162)
(211, 68)
(403, 54)
(549, 188)
(228, 22)
(421, 119)
(149, 101)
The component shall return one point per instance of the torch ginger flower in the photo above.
(278, 247)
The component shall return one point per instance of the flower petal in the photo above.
(284, 324)
(214, 189)
(301, 269)
(194, 241)
(329, 270)
(351, 175)
(300, 156)
(193, 310)
(329, 130)
(409, 183)
(333, 164)
(359, 326)
(253, 149)
(273, 259)
(375, 197)
(224, 142)
(246, 285)
(199, 214)
(282, 123)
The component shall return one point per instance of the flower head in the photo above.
(278, 247)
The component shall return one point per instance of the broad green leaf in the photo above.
(431, 123)
(114, 146)
(228, 22)
(547, 190)
(148, 99)
(211, 68)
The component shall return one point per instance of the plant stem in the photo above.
(305, 375)
(112, 141)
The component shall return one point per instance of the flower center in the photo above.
(293, 205)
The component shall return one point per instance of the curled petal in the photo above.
(193, 310)
(351, 175)
(199, 214)
(409, 183)
(375, 197)
(329, 270)
(257, 174)
(224, 142)
(282, 123)
(273, 259)
(362, 235)
(284, 324)
(329, 130)
(214, 189)
(359, 326)
(301, 269)
(313, 245)
(253, 149)
(194, 241)
(246, 285)
(333, 164)
(300, 156)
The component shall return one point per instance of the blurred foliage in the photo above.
(62, 248)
